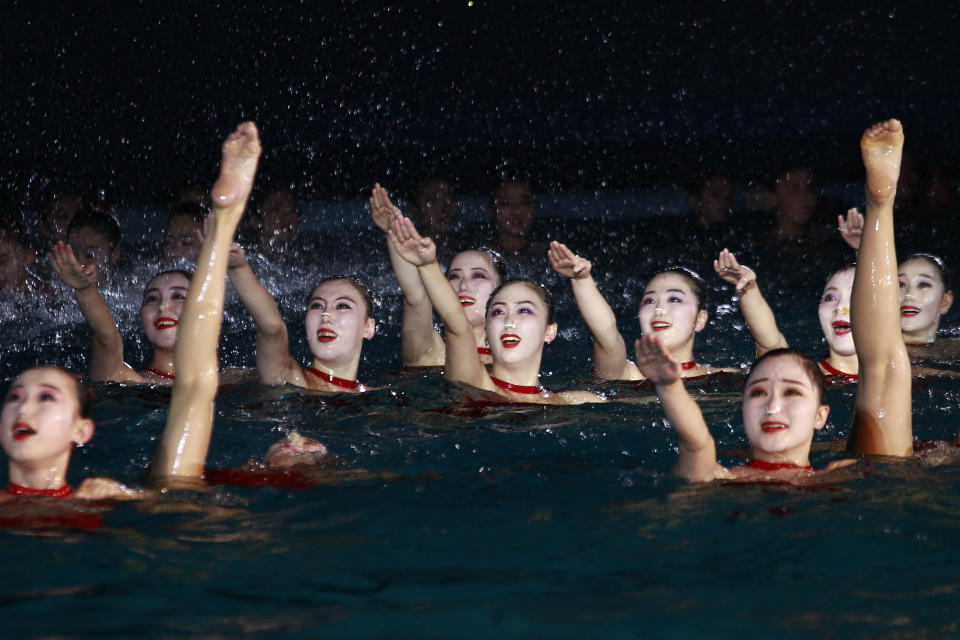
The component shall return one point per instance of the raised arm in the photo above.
(106, 357)
(851, 228)
(757, 313)
(698, 451)
(275, 365)
(418, 337)
(182, 449)
(882, 422)
(609, 348)
(462, 362)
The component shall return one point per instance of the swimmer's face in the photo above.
(41, 419)
(436, 207)
(473, 277)
(14, 259)
(796, 195)
(180, 239)
(337, 323)
(92, 247)
(279, 219)
(517, 326)
(714, 203)
(161, 308)
(834, 313)
(669, 309)
(513, 208)
(922, 297)
(781, 407)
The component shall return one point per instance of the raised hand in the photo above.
(69, 269)
(566, 262)
(409, 244)
(851, 228)
(727, 267)
(655, 361)
(384, 212)
(293, 450)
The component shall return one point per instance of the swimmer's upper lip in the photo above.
(772, 425)
(510, 340)
(163, 322)
(326, 335)
(467, 301)
(841, 327)
(659, 325)
(22, 431)
(909, 310)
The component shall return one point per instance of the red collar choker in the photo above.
(517, 388)
(20, 490)
(161, 374)
(776, 466)
(686, 366)
(836, 372)
(484, 351)
(334, 380)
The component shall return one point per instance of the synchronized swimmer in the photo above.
(495, 332)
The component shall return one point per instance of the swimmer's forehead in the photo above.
(336, 290)
(784, 368)
(168, 281)
(916, 266)
(517, 293)
(46, 377)
(471, 260)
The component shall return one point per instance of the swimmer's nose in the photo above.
(773, 407)
(658, 311)
(325, 315)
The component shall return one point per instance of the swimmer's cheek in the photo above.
(106, 489)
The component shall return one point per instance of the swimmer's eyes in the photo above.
(829, 298)
(648, 301)
(496, 311)
(151, 298)
(924, 284)
(792, 391)
(902, 283)
(525, 310)
(757, 392)
(316, 305)
(453, 276)
(48, 396)
(676, 299)
(343, 306)
(481, 275)
(12, 396)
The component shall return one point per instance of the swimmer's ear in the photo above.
(83, 431)
(370, 329)
(551, 333)
(946, 301)
(701, 323)
(822, 413)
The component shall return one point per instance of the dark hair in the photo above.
(810, 367)
(846, 267)
(196, 211)
(545, 294)
(186, 274)
(697, 285)
(938, 264)
(495, 259)
(361, 288)
(100, 221)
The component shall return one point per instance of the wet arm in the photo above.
(756, 311)
(698, 451)
(274, 362)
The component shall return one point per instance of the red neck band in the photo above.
(776, 466)
(334, 380)
(686, 366)
(517, 388)
(161, 374)
(20, 490)
(484, 351)
(836, 372)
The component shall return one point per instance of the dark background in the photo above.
(134, 98)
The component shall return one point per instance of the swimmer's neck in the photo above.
(922, 336)
(849, 365)
(162, 360)
(522, 373)
(42, 475)
(346, 371)
(799, 456)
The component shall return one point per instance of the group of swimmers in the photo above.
(495, 330)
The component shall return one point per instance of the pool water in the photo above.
(447, 516)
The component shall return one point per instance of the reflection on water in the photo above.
(449, 515)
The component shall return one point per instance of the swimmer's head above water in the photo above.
(674, 307)
(474, 274)
(339, 318)
(163, 299)
(925, 295)
(834, 311)
(783, 404)
(519, 321)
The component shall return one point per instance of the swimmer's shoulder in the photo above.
(579, 397)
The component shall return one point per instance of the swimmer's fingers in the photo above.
(106, 489)
(655, 362)
(747, 279)
(237, 256)
(851, 227)
(69, 269)
(381, 208)
(409, 244)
